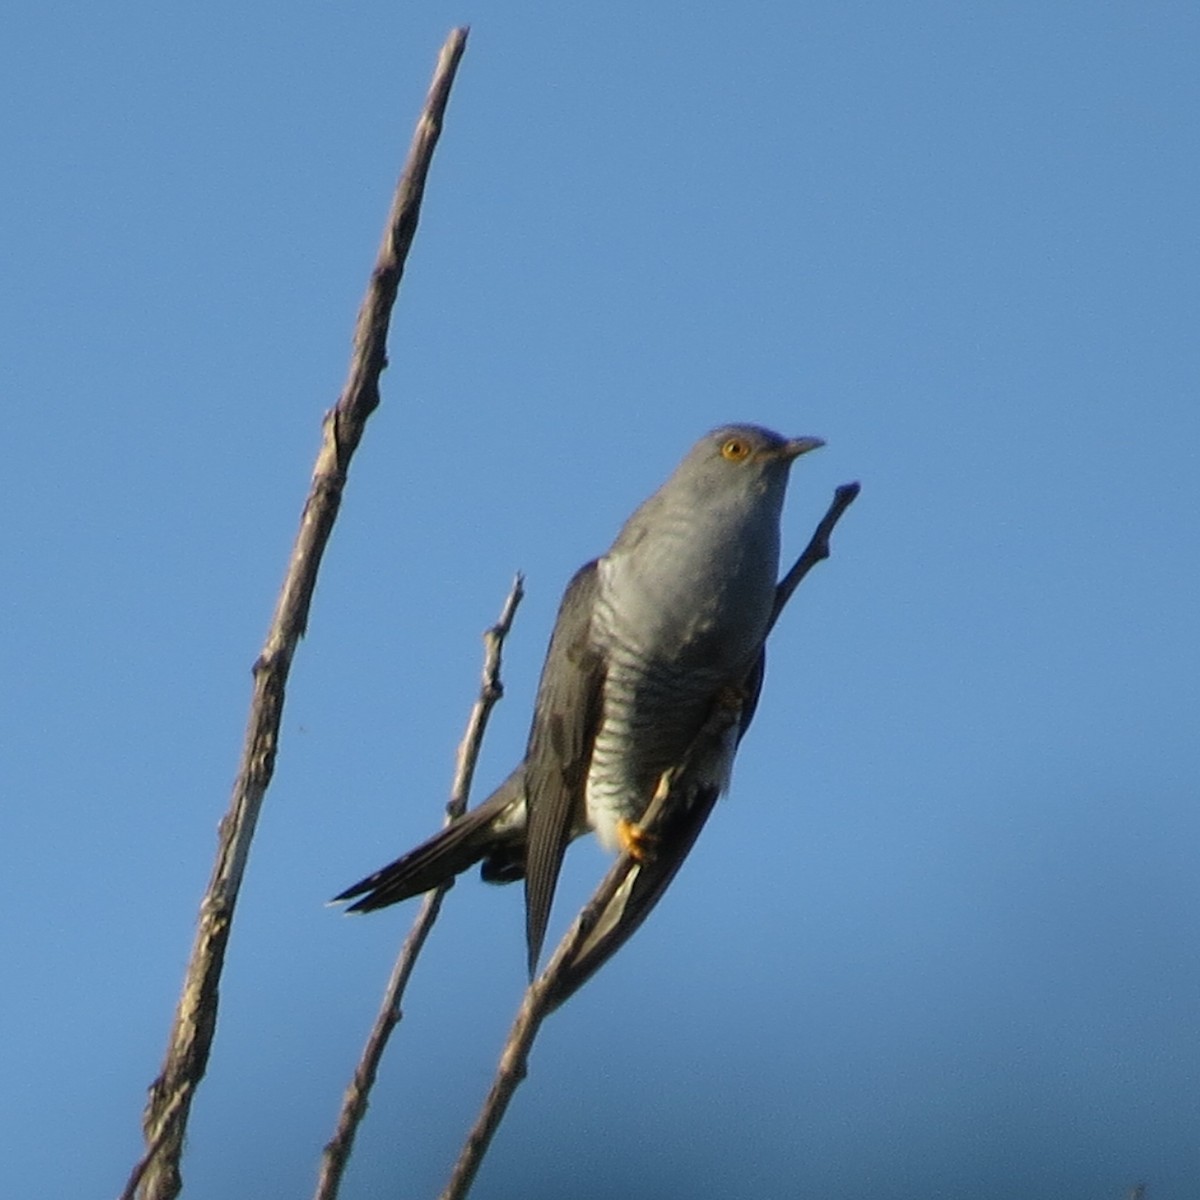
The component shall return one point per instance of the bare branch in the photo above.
(189, 1044)
(602, 926)
(817, 549)
(143, 1163)
(490, 691)
(354, 1103)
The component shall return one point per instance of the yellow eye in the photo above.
(735, 450)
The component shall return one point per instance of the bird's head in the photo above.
(740, 459)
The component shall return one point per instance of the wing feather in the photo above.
(566, 717)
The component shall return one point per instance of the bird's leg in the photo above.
(633, 839)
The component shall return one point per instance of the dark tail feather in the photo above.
(448, 853)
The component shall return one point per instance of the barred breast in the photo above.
(677, 617)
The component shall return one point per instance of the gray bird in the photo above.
(648, 638)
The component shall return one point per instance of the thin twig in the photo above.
(563, 975)
(164, 1121)
(490, 691)
(817, 549)
(354, 1103)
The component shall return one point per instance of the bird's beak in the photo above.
(798, 446)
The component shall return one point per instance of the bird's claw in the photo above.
(635, 841)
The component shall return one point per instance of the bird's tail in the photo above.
(494, 831)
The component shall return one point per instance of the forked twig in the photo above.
(164, 1121)
(354, 1103)
(577, 957)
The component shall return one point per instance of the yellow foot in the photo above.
(639, 844)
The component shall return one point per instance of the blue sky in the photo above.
(941, 939)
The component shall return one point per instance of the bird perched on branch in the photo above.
(668, 623)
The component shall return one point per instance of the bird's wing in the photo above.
(565, 720)
(637, 898)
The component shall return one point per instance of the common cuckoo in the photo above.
(649, 637)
